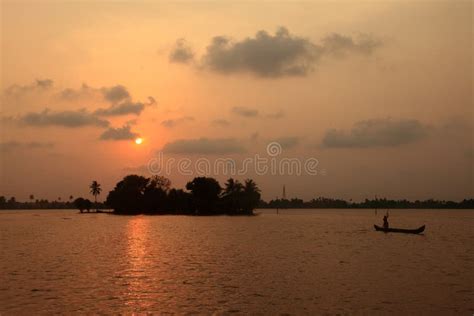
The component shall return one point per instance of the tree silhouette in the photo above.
(11, 203)
(251, 196)
(178, 202)
(95, 190)
(32, 197)
(154, 197)
(205, 193)
(128, 195)
(83, 204)
(160, 182)
(232, 195)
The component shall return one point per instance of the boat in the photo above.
(400, 230)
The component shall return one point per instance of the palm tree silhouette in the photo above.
(233, 194)
(232, 186)
(251, 195)
(95, 190)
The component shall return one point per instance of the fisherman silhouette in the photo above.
(385, 221)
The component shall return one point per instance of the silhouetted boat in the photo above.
(400, 230)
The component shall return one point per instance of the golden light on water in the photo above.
(138, 258)
(138, 140)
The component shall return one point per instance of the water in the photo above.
(298, 262)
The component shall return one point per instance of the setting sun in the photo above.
(138, 140)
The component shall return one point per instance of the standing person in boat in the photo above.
(385, 220)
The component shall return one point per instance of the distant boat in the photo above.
(400, 230)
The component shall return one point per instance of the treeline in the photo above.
(135, 195)
(322, 202)
(12, 204)
(203, 196)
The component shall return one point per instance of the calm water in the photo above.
(298, 262)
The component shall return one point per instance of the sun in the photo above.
(138, 140)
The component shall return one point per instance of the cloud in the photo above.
(131, 122)
(376, 133)
(173, 122)
(151, 101)
(124, 108)
(277, 115)
(65, 119)
(220, 122)
(142, 169)
(19, 90)
(12, 145)
(118, 96)
(116, 93)
(44, 84)
(111, 94)
(119, 133)
(122, 103)
(244, 111)
(182, 52)
(8, 120)
(118, 99)
(204, 146)
(288, 142)
(73, 94)
(265, 55)
(340, 45)
(276, 55)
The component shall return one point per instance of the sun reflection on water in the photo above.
(137, 274)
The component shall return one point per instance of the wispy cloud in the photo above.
(19, 90)
(376, 133)
(174, 122)
(69, 119)
(245, 111)
(341, 45)
(12, 145)
(117, 96)
(276, 115)
(220, 122)
(287, 142)
(119, 133)
(181, 52)
(123, 108)
(203, 146)
(84, 91)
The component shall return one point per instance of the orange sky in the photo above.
(380, 93)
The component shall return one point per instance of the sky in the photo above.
(377, 95)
